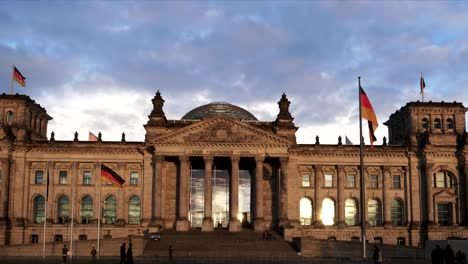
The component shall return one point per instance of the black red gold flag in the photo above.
(367, 112)
(107, 174)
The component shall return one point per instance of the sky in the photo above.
(95, 66)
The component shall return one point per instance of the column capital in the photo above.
(340, 168)
(97, 164)
(184, 159)
(259, 160)
(284, 159)
(235, 158)
(318, 167)
(386, 169)
(159, 158)
(207, 158)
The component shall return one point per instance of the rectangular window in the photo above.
(134, 178)
(305, 180)
(86, 177)
(444, 214)
(328, 180)
(396, 181)
(63, 177)
(374, 181)
(440, 180)
(39, 177)
(351, 181)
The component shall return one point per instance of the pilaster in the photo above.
(207, 223)
(182, 223)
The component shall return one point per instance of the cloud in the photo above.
(199, 52)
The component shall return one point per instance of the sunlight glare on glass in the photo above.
(328, 212)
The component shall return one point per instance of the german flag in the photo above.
(108, 175)
(18, 77)
(367, 112)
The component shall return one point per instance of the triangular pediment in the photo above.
(222, 129)
(445, 194)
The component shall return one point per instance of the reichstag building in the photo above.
(220, 167)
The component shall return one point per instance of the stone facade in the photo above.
(180, 177)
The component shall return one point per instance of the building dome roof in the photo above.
(219, 108)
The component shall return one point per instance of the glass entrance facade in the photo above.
(220, 183)
(197, 198)
(220, 180)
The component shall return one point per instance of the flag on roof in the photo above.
(92, 137)
(108, 175)
(347, 141)
(18, 77)
(422, 84)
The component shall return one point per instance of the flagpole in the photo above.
(72, 211)
(99, 217)
(422, 88)
(361, 182)
(45, 214)
(12, 77)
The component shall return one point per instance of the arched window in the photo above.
(437, 123)
(110, 210)
(328, 212)
(10, 117)
(305, 211)
(374, 212)
(63, 211)
(442, 179)
(425, 123)
(450, 123)
(86, 209)
(134, 209)
(351, 212)
(38, 209)
(397, 212)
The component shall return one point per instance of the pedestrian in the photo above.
(130, 254)
(122, 254)
(93, 255)
(377, 255)
(171, 252)
(460, 257)
(437, 255)
(64, 254)
(449, 257)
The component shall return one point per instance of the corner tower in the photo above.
(436, 123)
(22, 119)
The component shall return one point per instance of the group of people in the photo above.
(126, 257)
(446, 256)
(377, 256)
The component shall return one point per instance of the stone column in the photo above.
(98, 197)
(341, 195)
(148, 187)
(234, 223)
(284, 221)
(121, 195)
(259, 222)
(318, 194)
(158, 202)
(430, 198)
(466, 189)
(4, 189)
(386, 201)
(207, 224)
(182, 221)
(74, 204)
(50, 203)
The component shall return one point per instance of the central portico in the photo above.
(228, 168)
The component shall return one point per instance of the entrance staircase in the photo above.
(220, 244)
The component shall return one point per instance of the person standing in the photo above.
(377, 255)
(64, 254)
(122, 254)
(171, 252)
(93, 255)
(130, 254)
(437, 255)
